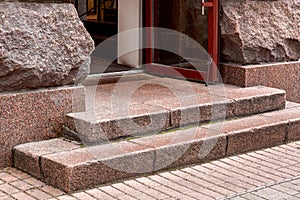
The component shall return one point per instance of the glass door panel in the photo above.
(193, 39)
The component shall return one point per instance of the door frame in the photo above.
(211, 75)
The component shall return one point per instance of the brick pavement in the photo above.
(272, 173)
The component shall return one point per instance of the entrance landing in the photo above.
(135, 105)
(164, 124)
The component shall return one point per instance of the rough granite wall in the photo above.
(42, 45)
(260, 31)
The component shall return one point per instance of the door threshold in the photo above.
(111, 77)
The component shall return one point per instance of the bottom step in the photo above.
(71, 167)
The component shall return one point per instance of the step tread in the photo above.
(170, 102)
(84, 167)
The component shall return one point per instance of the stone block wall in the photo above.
(260, 44)
(260, 31)
(44, 51)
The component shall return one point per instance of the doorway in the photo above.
(197, 20)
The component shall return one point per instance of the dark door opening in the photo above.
(101, 21)
(197, 20)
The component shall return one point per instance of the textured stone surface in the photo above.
(139, 107)
(87, 167)
(34, 116)
(27, 156)
(294, 130)
(90, 166)
(260, 31)
(256, 138)
(285, 76)
(42, 44)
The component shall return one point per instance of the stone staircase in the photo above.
(141, 124)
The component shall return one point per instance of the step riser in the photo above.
(80, 168)
(100, 132)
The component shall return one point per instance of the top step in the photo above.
(144, 104)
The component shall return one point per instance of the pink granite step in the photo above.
(73, 167)
(137, 107)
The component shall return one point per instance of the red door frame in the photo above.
(213, 43)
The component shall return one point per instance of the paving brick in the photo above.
(112, 191)
(230, 171)
(133, 192)
(7, 177)
(21, 185)
(296, 181)
(259, 161)
(229, 179)
(270, 193)
(295, 167)
(163, 189)
(52, 191)
(99, 194)
(281, 154)
(137, 184)
(277, 157)
(289, 150)
(253, 173)
(250, 196)
(292, 186)
(22, 196)
(205, 181)
(8, 189)
(256, 169)
(6, 198)
(293, 146)
(83, 195)
(205, 174)
(2, 194)
(179, 188)
(66, 197)
(37, 193)
(191, 185)
(284, 189)
(34, 182)
(17, 173)
(289, 171)
(269, 159)
(238, 198)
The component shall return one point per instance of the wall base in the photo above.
(28, 116)
(284, 76)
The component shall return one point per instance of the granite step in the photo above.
(70, 166)
(134, 107)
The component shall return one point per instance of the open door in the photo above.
(196, 19)
(129, 18)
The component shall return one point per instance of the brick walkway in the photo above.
(272, 173)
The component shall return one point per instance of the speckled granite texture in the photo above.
(285, 76)
(42, 45)
(34, 116)
(255, 31)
